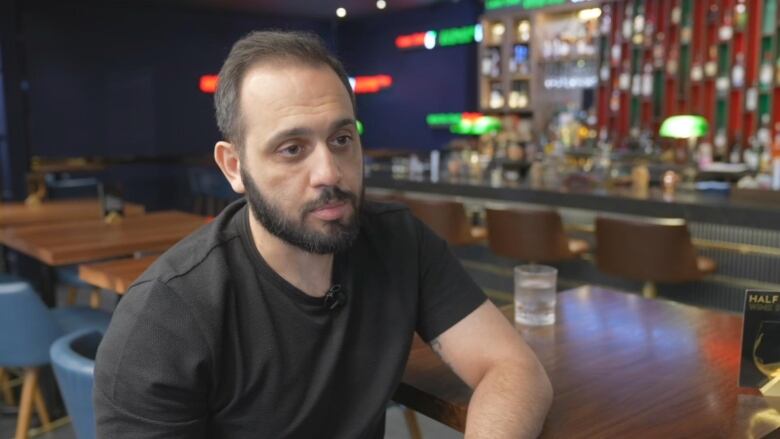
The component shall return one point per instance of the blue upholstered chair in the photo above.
(6, 278)
(27, 331)
(69, 277)
(73, 361)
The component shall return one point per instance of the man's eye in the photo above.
(343, 140)
(290, 151)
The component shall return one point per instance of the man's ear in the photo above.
(229, 161)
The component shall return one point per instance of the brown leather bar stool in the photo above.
(649, 251)
(533, 235)
(447, 218)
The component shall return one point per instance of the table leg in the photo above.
(3, 260)
(48, 285)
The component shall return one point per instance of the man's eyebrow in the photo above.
(341, 123)
(302, 131)
(285, 134)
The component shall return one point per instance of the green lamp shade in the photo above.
(684, 127)
(477, 127)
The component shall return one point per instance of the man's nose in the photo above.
(326, 170)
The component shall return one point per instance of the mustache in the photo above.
(329, 195)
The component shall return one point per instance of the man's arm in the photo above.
(151, 370)
(512, 393)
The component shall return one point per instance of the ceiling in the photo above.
(307, 8)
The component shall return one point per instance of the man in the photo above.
(292, 314)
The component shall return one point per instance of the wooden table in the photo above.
(56, 211)
(621, 366)
(82, 241)
(86, 241)
(116, 275)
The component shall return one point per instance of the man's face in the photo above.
(301, 165)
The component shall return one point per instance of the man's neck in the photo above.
(309, 272)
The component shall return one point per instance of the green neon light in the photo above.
(477, 127)
(457, 35)
(525, 4)
(536, 4)
(684, 127)
(497, 4)
(443, 119)
(359, 125)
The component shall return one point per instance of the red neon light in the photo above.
(372, 84)
(411, 40)
(208, 83)
(471, 116)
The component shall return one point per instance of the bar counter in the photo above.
(712, 207)
(743, 237)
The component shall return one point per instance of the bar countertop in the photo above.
(713, 207)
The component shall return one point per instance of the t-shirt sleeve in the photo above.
(151, 370)
(447, 293)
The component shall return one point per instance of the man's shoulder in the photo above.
(200, 252)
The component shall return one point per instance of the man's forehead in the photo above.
(292, 84)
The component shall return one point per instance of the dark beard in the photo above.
(338, 237)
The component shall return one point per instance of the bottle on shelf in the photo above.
(497, 30)
(627, 23)
(765, 147)
(523, 31)
(726, 31)
(777, 71)
(738, 71)
(776, 158)
(711, 66)
(720, 143)
(735, 156)
(740, 15)
(765, 73)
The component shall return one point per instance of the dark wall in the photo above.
(424, 81)
(123, 80)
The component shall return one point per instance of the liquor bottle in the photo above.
(685, 35)
(614, 101)
(711, 66)
(676, 15)
(777, 71)
(720, 144)
(776, 159)
(639, 27)
(736, 150)
(636, 84)
(671, 62)
(726, 31)
(751, 99)
(647, 81)
(617, 52)
(740, 15)
(738, 71)
(765, 74)
(604, 73)
(764, 137)
(697, 73)
(627, 24)
(606, 19)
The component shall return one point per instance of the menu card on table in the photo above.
(760, 361)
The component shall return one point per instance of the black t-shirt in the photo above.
(210, 342)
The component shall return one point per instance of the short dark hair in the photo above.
(266, 46)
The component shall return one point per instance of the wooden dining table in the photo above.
(76, 242)
(621, 366)
(116, 275)
(57, 211)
